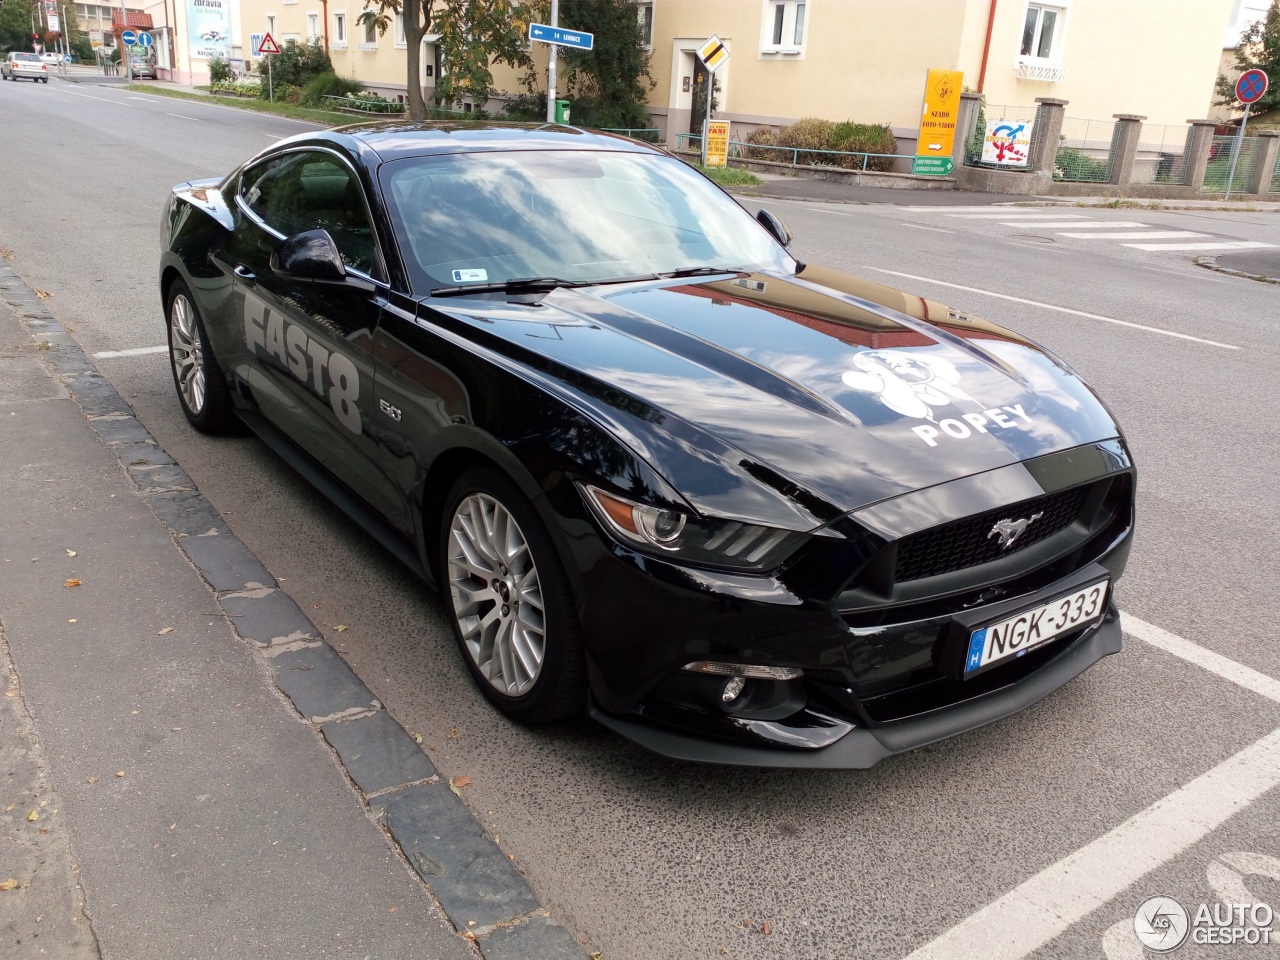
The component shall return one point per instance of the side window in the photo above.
(313, 191)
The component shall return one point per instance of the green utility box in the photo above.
(562, 111)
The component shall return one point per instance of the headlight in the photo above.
(701, 541)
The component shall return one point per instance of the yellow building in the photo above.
(865, 60)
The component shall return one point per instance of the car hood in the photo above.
(792, 400)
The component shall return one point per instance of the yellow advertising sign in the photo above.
(939, 116)
(717, 143)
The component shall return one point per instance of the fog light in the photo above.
(732, 689)
(754, 671)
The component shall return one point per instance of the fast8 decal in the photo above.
(331, 376)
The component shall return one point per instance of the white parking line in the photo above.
(1137, 235)
(920, 226)
(133, 352)
(1050, 306)
(1047, 904)
(1225, 245)
(181, 116)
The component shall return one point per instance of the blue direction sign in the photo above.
(129, 38)
(144, 39)
(578, 39)
(1251, 86)
(66, 58)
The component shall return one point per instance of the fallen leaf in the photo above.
(766, 928)
(417, 738)
(469, 935)
(431, 746)
(392, 909)
(33, 816)
(73, 620)
(340, 627)
(119, 773)
(90, 779)
(456, 784)
(10, 806)
(9, 884)
(42, 294)
(173, 826)
(453, 733)
(72, 583)
(133, 713)
(71, 553)
(161, 633)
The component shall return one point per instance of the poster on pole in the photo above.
(55, 25)
(1007, 143)
(717, 143)
(209, 29)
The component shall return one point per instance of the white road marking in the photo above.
(920, 226)
(1047, 904)
(133, 352)
(1224, 667)
(1225, 245)
(959, 208)
(89, 96)
(147, 99)
(1136, 235)
(1090, 224)
(1050, 306)
(1021, 214)
(182, 116)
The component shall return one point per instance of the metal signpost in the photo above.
(1250, 88)
(713, 53)
(551, 34)
(267, 47)
(128, 38)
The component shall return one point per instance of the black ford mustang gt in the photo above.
(740, 508)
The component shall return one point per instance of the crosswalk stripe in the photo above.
(986, 208)
(1138, 235)
(1020, 214)
(1225, 245)
(1091, 224)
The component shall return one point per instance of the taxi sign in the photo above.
(713, 53)
(268, 45)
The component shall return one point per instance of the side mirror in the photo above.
(777, 229)
(310, 255)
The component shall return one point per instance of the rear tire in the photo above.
(202, 389)
(508, 600)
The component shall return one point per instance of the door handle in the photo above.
(244, 273)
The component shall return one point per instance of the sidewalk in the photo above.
(175, 786)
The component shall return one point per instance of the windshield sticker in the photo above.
(470, 276)
(913, 385)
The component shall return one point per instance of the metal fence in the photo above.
(1162, 154)
(364, 106)
(1275, 178)
(647, 134)
(1218, 172)
(1003, 113)
(1085, 151)
(800, 156)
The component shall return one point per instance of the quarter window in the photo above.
(313, 191)
(313, 25)
(340, 28)
(645, 11)
(1042, 31)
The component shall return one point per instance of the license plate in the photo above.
(1014, 636)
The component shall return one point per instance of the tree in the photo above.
(1259, 49)
(15, 25)
(473, 35)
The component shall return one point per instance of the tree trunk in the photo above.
(417, 20)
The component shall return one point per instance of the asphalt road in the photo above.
(649, 860)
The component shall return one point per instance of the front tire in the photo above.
(202, 389)
(508, 600)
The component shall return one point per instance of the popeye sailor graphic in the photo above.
(906, 383)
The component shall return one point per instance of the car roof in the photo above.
(396, 140)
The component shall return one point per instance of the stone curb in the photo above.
(1211, 263)
(480, 889)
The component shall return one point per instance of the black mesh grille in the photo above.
(969, 542)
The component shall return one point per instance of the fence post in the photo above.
(966, 120)
(1048, 134)
(1124, 147)
(1265, 167)
(1199, 144)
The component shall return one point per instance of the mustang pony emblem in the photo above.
(1010, 530)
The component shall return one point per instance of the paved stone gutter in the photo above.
(480, 889)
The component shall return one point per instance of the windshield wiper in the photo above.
(514, 285)
(700, 272)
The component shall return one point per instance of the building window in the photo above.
(370, 35)
(313, 26)
(646, 23)
(783, 27)
(339, 39)
(400, 41)
(271, 25)
(1042, 32)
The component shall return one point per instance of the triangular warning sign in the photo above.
(268, 45)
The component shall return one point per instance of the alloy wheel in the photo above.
(187, 354)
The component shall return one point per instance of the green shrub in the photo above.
(295, 65)
(764, 137)
(527, 106)
(864, 138)
(812, 133)
(1071, 164)
(327, 85)
(219, 69)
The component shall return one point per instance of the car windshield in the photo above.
(578, 216)
(30, 57)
